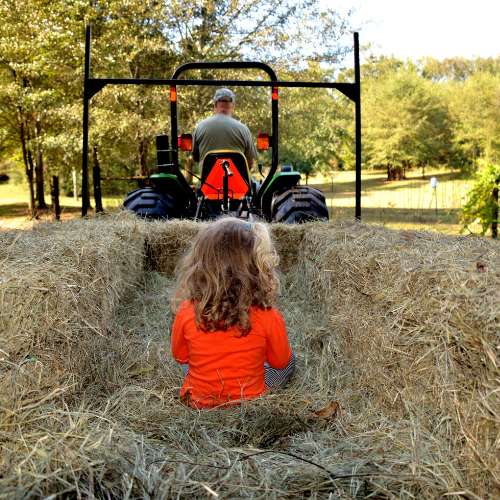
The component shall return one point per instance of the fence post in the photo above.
(494, 223)
(54, 192)
(75, 186)
(96, 176)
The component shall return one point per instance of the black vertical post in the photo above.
(494, 223)
(357, 81)
(274, 114)
(96, 176)
(85, 169)
(96, 171)
(173, 123)
(54, 191)
(225, 192)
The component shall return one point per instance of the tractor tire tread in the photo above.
(149, 203)
(299, 204)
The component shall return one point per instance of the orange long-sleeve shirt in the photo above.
(224, 367)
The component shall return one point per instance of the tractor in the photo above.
(225, 183)
(226, 186)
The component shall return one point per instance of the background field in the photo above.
(409, 203)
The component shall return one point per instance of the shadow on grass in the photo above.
(14, 210)
(17, 210)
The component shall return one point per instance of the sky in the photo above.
(436, 28)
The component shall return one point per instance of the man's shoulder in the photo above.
(222, 120)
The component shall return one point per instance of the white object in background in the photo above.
(75, 186)
(434, 182)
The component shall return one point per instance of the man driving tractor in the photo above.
(222, 132)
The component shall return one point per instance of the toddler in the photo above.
(226, 332)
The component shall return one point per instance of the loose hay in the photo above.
(400, 328)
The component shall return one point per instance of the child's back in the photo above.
(225, 329)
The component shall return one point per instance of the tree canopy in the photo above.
(413, 113)
(41, 71)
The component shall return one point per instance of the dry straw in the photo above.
(400, 328)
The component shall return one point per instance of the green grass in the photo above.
(408, 203)
(14, 206)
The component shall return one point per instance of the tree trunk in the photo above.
(142, 150)
(189, 163)
(143, 157)
(54, 192)
(395, 173)
(75, 185)
(40, 198)
(27, 163)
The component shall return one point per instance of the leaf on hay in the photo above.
(329, 411)
(143, 370)
(186, 397)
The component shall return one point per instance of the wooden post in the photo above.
(54, 192)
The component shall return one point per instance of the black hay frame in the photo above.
(92, 86)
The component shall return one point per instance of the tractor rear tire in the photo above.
(299, 204)
(149, 203)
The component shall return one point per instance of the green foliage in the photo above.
(457, 69)
(404, 121)
(41, 70)
(475, 115)
(480, 206)
(313, 124)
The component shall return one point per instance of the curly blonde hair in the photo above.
(229, 268)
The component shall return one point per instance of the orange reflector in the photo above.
(173, 94)
(213, 186)
(262, 140)
(186, 142)
(275, 93)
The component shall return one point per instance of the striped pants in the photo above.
(274, 378)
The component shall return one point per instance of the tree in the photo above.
(482, 205)
(41, 69)
(313, 124)
(475, 115)
(405, 122)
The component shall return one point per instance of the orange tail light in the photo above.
(275, 93)
(262, 140)
(186, 142)
(173, 94)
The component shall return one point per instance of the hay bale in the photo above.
(417, 318)
(166, 243)
(397, 327)
(59, 285)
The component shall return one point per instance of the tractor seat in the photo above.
(212, 175)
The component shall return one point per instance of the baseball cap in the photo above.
(224, 95)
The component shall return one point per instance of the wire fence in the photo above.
(411, 201)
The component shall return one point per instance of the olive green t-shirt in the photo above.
(221, 132)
